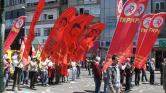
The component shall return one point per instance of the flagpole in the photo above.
(2, 27)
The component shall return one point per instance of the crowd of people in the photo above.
(45, 73)
(117, 76)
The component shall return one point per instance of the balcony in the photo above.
(48, 5)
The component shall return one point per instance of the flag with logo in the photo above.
(154, 27)
(14, 32)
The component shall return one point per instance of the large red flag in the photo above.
(72, 32)
(127, 27)
(151, 35)
(14, 32)
(143, 29)
(31, 34)
(56, 33)
(88, 40)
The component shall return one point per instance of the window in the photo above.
(81, 10)
(160, 5)
(38, 31)
(44, 16)
(46, 31)
(107, 43)
(50, 17)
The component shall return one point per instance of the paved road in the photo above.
(86, 85)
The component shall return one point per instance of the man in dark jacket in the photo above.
(97, 74)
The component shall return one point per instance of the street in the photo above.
(86, 85)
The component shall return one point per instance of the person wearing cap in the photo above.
(151, 64)
(96, 68)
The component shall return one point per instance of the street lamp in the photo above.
(2, 28)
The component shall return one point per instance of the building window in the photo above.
(160, 6)
(44, 16)
(50, 17)
(46, 31)
(38, 31)
(81, 10)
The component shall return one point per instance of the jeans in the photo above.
(32, 78)
(17, 75)
(26, 77)
(44, 77)
(74, 71)
(128, 82)
(152, 77)
(105, 84)
(6, 79)
(78, 72)
(144, 76)
(97, 85)
(137, 76)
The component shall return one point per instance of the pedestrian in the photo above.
(161, 72)
(164, 74)
(144, 74)
(128, 71)
(113, 75)
(33, 72)
(137, 76)
(96, 68)
(151, 64)
(17, 65)
(74, 70)
(7, 66)
(44, 72)
(78, 69)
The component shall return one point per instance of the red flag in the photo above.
(14, 32)
(22, 46)
(149, 39)
(74, 31)
(31, 34)
(57, 31)
(127, 27)
(119, 8)
(88, 40)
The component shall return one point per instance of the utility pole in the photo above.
(2, 30)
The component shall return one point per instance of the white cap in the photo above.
(98, 58)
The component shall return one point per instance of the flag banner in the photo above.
(127, 26)
(56, 33)
(22, 46)
(143, 29)
(14, 32)
(39, 49)
(31, 34)
(119, 8)
(88, 40)
(149, 39)
(71, 34)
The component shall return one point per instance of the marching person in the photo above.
(17, 65)
(151, 64)
(113, 75)
(96, 68)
